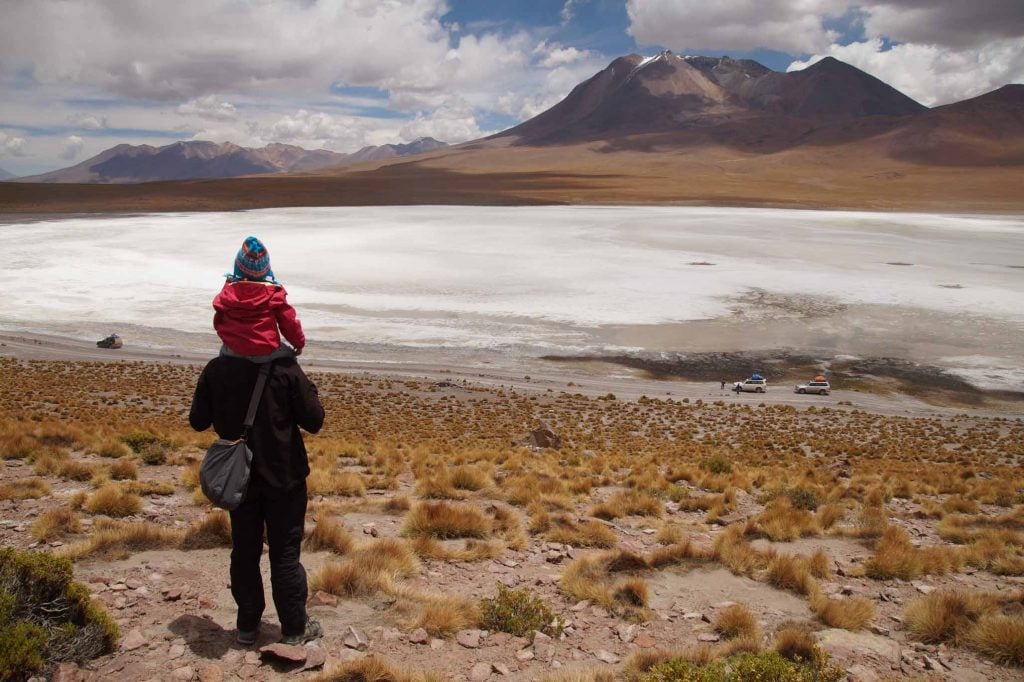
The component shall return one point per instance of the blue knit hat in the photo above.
(253, 262)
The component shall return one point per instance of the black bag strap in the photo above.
(254, 402)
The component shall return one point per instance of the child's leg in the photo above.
(282, 351)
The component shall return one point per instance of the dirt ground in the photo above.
(397, 433)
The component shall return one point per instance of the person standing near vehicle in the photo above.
(276, 495)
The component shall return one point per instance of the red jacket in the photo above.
(249, 314)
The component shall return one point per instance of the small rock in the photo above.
(468, 638)
(356, 639)
(524, 655)
(419, 636)
(693, 615)
(626, 632)
(133, 640)
(644, 641)
(321, 598)
(708, 637)
(315, 657)
(879, 630)
(183, 673)
(580, 606)
(287, 652)
(607, 657)
(252, 657)
(436, 644)
(211, 673)
(176, 651)
(480, 672)
(502, 669)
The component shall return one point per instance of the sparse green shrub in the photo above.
(46, 617)
(803, 498)
(747, 667)
(517, 612)
(717, 465)
(151, 448)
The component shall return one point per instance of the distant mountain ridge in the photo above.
(4, 175)
(193, 160)
(669, 93)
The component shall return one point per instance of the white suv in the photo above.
(751, 385)
(816, 386)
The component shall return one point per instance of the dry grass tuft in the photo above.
(323, 480)
(213, 531)
(736, 621)
(795, 643)
(124, 470)
(118, 540)
(372, 669)
(947, 616)
(790, 573)
(631, 592)
(398, 504)
(56, 523)
(329, 535)
(596, 675)
(427, 547)
(848, 614)
(628, 503)
(24, 489)
(564, 529)
(114, 501)
(444, 616)
(781, 522)
(468, 477)
(999, 637)
(445, 520)
(373, 567)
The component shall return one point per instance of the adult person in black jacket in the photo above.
(277, 487)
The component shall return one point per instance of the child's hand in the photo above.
(298, 352)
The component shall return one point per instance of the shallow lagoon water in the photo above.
(530, 280)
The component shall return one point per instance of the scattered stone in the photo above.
(211, 673)
(185, 673)
(468, 638)
(693, 615)
(480, 672)
(287, 652)
(248, 671)
(436, 644)
(525, 655)
(133, 640)
(881, 631)
(321, 598)
(315, 657)
(607, 657)
(356, 639)
(626, 632)
(644, 641)
(544, 437)
(502, 669)
(252, 657)
(708, 637)
(580, 606)
(419, 636)
(924, 589)
(176, 651)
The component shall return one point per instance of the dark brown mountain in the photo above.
(203, 160)
(697, 96)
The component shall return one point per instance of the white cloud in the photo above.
(453, 122)
(951, 23)
(88, 121)
(556, 55)
(569, 10)
(931, 74)
(11, 145)
(698, 25)
(209, 107)
(73, 146)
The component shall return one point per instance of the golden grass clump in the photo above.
(848, 614)
(596, 675)
(329, 535)
(24, 489)
(212, 531)
(469, 477)
(56, 523)
(795, 643)
(372, 669)
(398, 504)
(443, 616)
(947, 615)
(119, 539)
(735, 621)
(563, 528)
(427, 547)
(369, 568)
(75, 471)
(733, 550)
(631, 592)
(628, 503)
(896, 557)
(444, 520)
(326, 481)
(123, 470)
(790, 573)
(781, 522)
(113, 501)
(999, 637)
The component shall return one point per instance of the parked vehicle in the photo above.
(818, 385)
(755, 384)
(112, 341)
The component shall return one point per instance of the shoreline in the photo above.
(589, 376)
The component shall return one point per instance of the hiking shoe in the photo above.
(313, 631)
(247, 638)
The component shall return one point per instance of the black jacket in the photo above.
(289, 401)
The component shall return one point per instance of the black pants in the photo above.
(284, 513)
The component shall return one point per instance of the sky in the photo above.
(79, 76)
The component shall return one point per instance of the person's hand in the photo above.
(298, 352)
